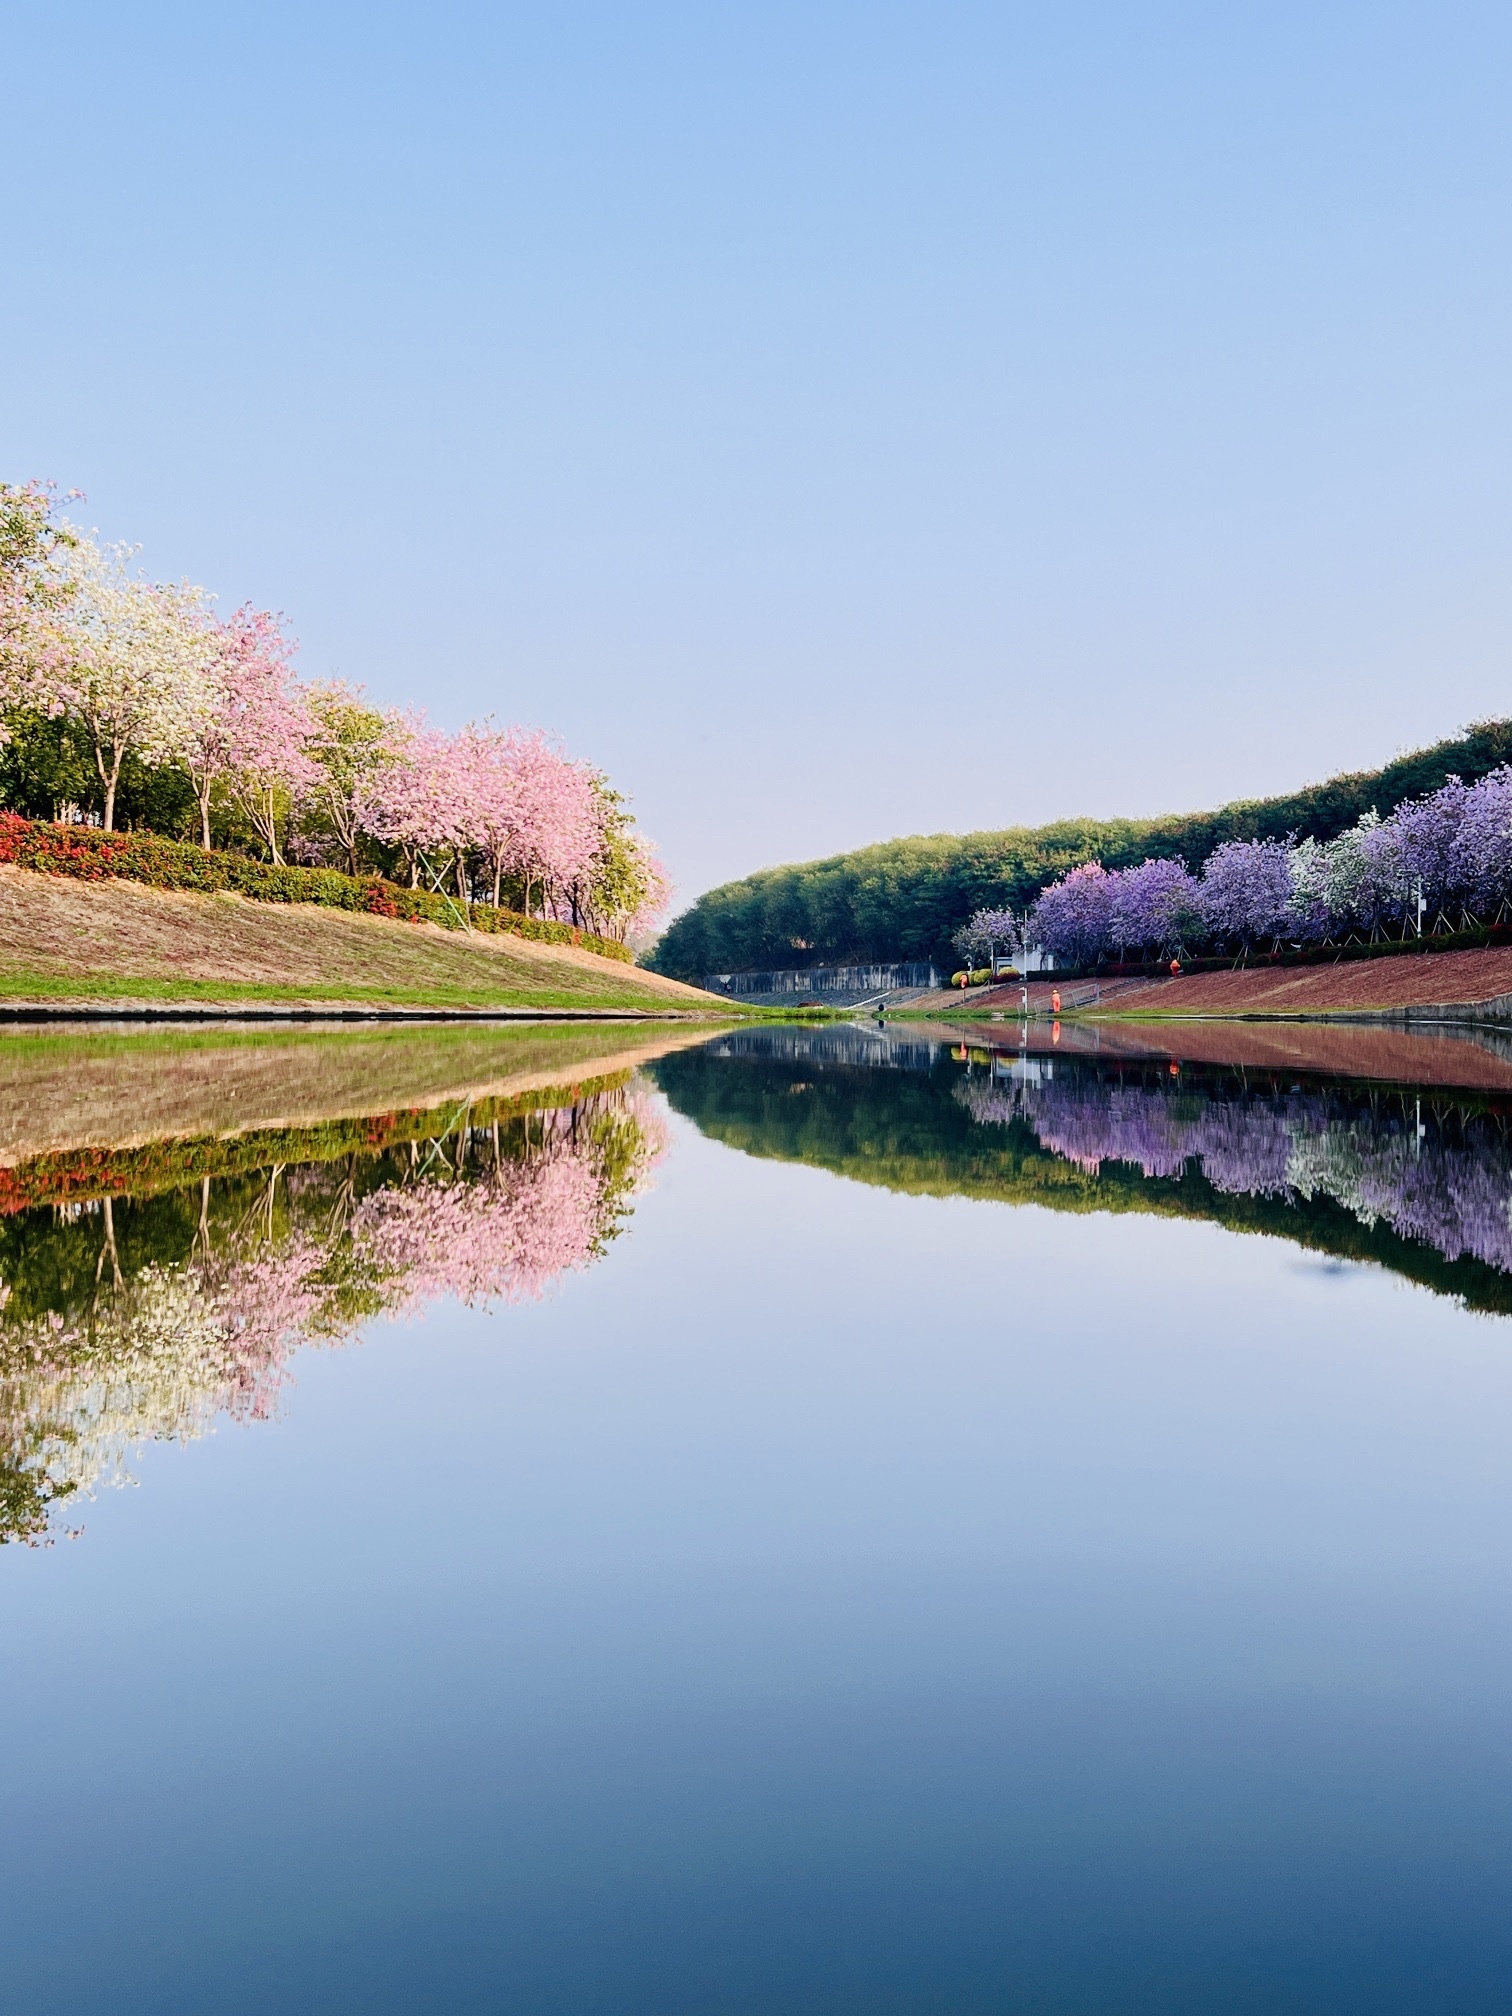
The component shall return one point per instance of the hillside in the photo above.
(117, 943)
(902, 899)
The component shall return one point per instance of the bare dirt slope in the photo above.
(75, 941)
(1389, 986)
(1424, 980)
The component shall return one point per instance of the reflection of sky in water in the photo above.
(832, 1599)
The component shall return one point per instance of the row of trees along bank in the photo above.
(1441, 863)
(129, 702)
(905, 899)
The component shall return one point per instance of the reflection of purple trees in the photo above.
(1449, 1188)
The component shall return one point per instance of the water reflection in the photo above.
(1441, 1178)
(145, 1291)
(1416, 1179)
(839, 1603)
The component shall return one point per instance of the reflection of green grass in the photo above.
(67, 1083)
(485, 1049)
(52, 1042)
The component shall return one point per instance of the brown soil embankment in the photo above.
(1361, 986)
(1409, 984)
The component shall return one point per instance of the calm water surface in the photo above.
(812, 1521)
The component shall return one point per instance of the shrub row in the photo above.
(88, 855)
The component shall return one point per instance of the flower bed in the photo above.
(88, 855)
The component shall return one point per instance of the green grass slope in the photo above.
(115, 943)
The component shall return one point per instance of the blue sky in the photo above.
(839, 421)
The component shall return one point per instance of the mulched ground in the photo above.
(1422, 980)
(1413, 980)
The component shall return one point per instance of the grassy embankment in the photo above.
(116, 944)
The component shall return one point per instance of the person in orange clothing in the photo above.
(1055, 1000)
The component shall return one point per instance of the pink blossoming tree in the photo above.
(267, 726)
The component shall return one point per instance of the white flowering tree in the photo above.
(128, 661)
(34, 546)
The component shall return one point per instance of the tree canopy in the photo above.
(904, 899)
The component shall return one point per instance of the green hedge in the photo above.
(89, 855)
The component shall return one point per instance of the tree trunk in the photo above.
(204, 805)
(273, 831)
(109, 778)
(109, 1248)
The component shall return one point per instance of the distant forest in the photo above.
(902, 899)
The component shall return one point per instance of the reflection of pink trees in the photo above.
(266, 1304)
(502, 1237)
(486, 1214)
(504, 1228)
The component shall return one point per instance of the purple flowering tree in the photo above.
(1481, 850)
(1072, 920)
(1452, 846)
(1246, 892)
(1418, 847)
(1154, 907)
(986, 933)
